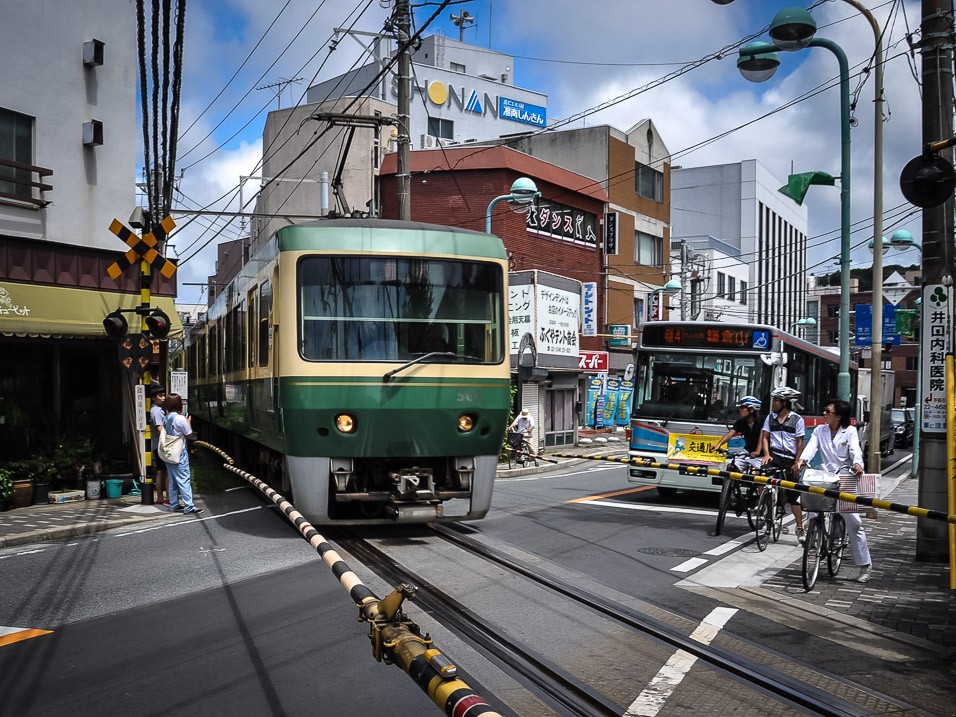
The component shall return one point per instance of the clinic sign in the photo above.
(937, 307)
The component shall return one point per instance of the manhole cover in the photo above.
(670, 552)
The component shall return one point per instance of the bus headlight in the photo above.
(466, 423)
(345, 423)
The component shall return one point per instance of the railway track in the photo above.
(728, 669)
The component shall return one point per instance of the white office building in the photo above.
(737, 209)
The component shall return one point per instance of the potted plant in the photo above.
(40, 471)
(6, 488)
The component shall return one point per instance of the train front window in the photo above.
(703, 388)
(371, 308)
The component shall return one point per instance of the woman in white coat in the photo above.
(839, 445)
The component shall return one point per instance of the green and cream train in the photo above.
(361, 365)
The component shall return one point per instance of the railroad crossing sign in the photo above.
(142, 248)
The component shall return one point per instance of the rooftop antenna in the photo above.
(461, 22)
(281, 83)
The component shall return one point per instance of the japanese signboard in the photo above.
(523, 112)
(589, 308)
(864, 325)
(559, 316)
(934, 343)
(622, 336)
(520, 313)
(610, 233)
(566, 224)
(693, 447)
(593, 361)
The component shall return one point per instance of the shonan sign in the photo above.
(472, 100)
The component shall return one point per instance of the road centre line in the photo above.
(186, 522)
(652, 699)
(544, 476)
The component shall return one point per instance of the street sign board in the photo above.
(621, 334)
(937, 308)
(864, 325)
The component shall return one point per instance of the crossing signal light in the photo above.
(115, 325)
(157, 324)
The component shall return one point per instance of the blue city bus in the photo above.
(689, 377)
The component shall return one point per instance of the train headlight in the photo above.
(345, 423)
(466, 423)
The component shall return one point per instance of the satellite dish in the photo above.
(927, 180)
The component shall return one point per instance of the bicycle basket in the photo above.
(515, 438)
(821, 479)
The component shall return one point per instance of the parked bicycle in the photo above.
(826, 529)
(520, 450)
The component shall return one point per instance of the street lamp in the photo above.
(672, 287)
(523, 194)
(793, 28)
(809, 321)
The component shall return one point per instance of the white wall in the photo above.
(43, 76)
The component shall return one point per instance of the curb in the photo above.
(70, 531)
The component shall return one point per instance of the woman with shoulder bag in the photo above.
(179, 426)
(839, 446)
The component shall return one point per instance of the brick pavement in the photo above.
(903, 594)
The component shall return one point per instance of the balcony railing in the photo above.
(17, 183)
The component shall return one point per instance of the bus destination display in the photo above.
(710, 337)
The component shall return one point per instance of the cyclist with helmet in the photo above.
(782, 441)
(748, 426)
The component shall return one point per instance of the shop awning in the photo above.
(53, 311)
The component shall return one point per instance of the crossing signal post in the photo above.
(135, 351)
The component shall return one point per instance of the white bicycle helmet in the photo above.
(749, 402)
(785, 393)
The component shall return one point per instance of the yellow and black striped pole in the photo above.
(395, 638)
(690, 469)
(146, 497)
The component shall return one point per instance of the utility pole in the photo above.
(403, 23)
(937, 74)
(684, 274)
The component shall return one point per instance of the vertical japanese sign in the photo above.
(610, 234)
(934, 343)
(559, 316)
(520, 313)
(589, 308)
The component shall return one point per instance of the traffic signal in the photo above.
(157, 324)
(115, 325)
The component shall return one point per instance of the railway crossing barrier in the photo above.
(690, 469)
(395, 638)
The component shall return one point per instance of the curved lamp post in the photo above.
(523, 194)
(809, 321)
(671, 288)
(793, 28)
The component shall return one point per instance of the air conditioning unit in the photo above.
(429, 141)
(93, 133)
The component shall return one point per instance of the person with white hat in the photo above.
(524, 423)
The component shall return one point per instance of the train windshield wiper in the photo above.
(424, 357)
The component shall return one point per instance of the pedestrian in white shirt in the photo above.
(839, 446)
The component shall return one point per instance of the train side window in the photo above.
(265, 308)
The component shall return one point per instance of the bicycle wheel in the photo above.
(750, 501)
(811, 553)
(726, 491)
(763, 517)
(778, 512)
(837, 545)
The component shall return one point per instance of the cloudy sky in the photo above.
(583, 56)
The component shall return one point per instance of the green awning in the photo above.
(54, 311)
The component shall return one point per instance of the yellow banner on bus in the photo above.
(696, 447)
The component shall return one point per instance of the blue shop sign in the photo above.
(522, 112)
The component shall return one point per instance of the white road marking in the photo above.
(186, 522)
(653, 697)
(688, 565)
(648, 507)
(726, 547)
(558, 475)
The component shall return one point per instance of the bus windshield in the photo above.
(701, 388)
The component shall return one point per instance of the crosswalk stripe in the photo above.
(9, 635)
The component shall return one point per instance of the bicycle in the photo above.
(826, 529)
(520, 450)
(734, 495)
(770, 511)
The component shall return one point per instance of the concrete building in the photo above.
(716, 280)
(67, 168)
(739, 205)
